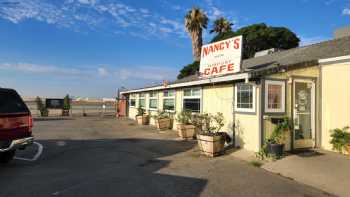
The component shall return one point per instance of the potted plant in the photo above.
(211, 141)
(185, 129)
(66, 106)
(141, 117)
(162, 120)
(341, 139)
(275, 143)
(44, 112)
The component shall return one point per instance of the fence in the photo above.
(78, 108)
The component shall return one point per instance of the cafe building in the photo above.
(310, 85)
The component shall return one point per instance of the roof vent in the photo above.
(342, 32)
(266, 52)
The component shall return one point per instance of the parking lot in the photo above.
(94, 156)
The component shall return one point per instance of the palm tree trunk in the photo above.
(197, 42)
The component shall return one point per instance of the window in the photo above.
(192, 99)
(132, 100)
(245, 98)
(153, 101)
(11, 102)
(169, 100)
(142, 100)
(275, 96)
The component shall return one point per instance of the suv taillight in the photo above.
(30, 121)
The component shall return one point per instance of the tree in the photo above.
(188, 70)
(259, 37)
(41, 107)
(221, 25)
(66, 102)
(195, 22)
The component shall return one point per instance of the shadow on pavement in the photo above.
(101, 167)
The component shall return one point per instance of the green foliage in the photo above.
(277, 136)
(184, 117)
(188, 70)
(263, 153)
(140, 112)
(41, 107)
(258, 37)
(257, 164)
(212, 123)
(221, 25)
(66, 103)
(161, 115)
(196, 20)
(340, 138)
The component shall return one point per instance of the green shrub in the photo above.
(41, 107)
(66, 103)
(184, 117)
(340, 138)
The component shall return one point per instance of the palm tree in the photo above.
(221, 25)
(195, 22)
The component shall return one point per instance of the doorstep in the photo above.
(325, 170)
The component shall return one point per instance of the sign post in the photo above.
(222, 57)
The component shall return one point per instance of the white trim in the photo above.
(249, 110)
(313, 109)
(193, 83)
(346, 57)
(155, 98)
(283, 96)
(169, 97)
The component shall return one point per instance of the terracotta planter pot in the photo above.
(186, 131)
(163, 123)
(347, 147)
(65, 112)
(142, 120)
(211, 145)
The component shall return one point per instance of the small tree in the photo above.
(66, 103)
(41, 107)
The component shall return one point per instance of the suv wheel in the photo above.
(6, 157)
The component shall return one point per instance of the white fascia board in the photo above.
(235, 77)
(334, 59)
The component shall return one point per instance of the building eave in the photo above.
(234, 77)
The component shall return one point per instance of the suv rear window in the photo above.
(11, 102)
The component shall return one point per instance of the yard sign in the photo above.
(221, 57)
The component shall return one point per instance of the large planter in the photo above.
(142, 120)
(163, 123)
(211, 145)
(65, 112)
(186, 131)
(275, 149)
(347, 147)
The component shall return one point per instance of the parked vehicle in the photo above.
(15, 124)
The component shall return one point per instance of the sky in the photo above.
(90, 48)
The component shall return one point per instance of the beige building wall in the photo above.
(219, 98)
(308, 72)
(247, 126)
(335, 99)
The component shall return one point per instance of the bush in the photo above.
(140, 112)
(340, 138)
(184, 117)
(41, 107)
(277, 136)
(66, 103)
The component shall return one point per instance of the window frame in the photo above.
(193, 97)
(282, 109)
(245, 110)
(169, 97)
(142, 98)
(132, 97)
(153, 97)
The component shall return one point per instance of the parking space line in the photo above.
(36, 156)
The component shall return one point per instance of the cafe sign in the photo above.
(222, 57)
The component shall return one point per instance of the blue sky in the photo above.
(90, 48)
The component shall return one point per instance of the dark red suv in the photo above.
(15, 124)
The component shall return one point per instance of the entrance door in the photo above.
(304, 113)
